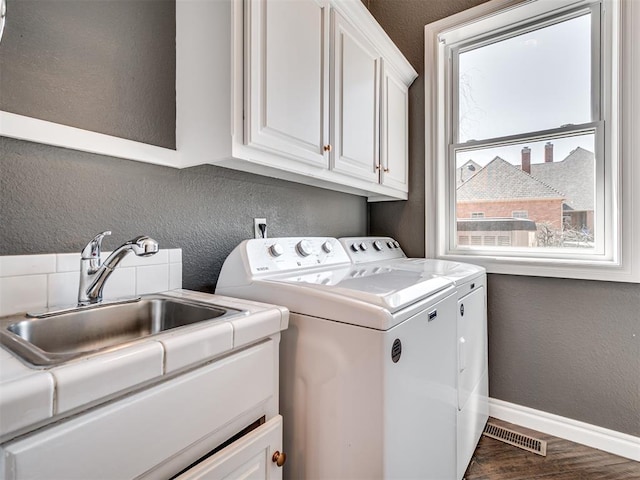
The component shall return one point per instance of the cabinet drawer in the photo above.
(250, 457)
(130, 436)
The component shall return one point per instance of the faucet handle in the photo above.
(92, 250)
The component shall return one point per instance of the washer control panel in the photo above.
(269, 255)
(371, 249)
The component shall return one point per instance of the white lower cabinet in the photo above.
(162, 430)
(250, 457)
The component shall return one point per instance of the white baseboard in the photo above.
(621, 444)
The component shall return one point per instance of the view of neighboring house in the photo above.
(466, 171)
(574, 177)
(528, 205)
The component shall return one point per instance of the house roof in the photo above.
(466, 171)
(574, 177)
(500, 180)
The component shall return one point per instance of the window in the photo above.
(523, 126)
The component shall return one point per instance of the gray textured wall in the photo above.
(567, 347)
(55, 200)
(101, 73)
(104, 66)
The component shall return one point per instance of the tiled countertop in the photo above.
(30, 398)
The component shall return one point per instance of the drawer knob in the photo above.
(327, 148)
(279, 458)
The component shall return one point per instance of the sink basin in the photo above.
(78, 332)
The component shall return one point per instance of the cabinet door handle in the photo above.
(327, 148)
(386, 170)
(378, 167)
(279, 458)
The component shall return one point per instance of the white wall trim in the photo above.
(618, 443)
(42, 131)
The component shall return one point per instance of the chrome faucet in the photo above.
(93, 274)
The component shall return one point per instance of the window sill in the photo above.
(604, 270)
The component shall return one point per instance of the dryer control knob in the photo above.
(276, 250)
(354, 247)
(377, 245)
(363, 247)
(304, 248)
(390, 244)
(396, 244)
(327, 247)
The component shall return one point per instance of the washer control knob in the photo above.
(377, 245)
(390, 244)
(363, 247)
(304, 248)
(327, 247)
(354, 247)
(276, 250)
(396, 244)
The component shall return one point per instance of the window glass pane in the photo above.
(535, 81)
(539, 194)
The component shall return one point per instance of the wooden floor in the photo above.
(495, 460)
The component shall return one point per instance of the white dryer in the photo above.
(472, 352)
(368, 377)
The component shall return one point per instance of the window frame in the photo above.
(618, 259)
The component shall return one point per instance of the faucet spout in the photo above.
(93, 274)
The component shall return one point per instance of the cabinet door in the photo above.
(250, 457)
(394, 141)
(355, 92)
(286, 101)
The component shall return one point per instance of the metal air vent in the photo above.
(525, 442)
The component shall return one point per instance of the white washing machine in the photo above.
(472, 364)
(368, 375)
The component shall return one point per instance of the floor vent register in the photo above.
(531, 444)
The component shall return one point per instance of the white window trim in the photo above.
(622, 113)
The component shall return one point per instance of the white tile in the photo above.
(13, 265)
(131, 260)
(152, 279)
(68, 262)
(185, 349)
(175, 255)
(86, 381)
(63, 289)
(258, 325)
(19, 294)
(26, 400)
(11, 368)
(175, 276)
(121, 283)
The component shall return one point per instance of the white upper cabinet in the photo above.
(355, 94)
(287, 69)
(318, 101)
(394, 139)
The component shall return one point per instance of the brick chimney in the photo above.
(548, 153)
(526, 160)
